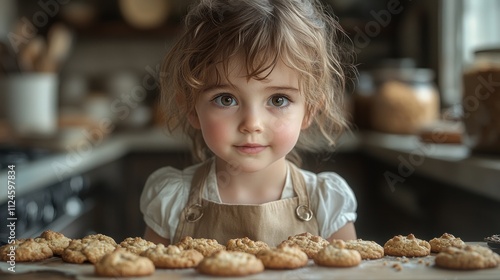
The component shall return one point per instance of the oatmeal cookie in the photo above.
(86, 250)
(438, 244)
(100, 237)
(336, 255)
(172, 256)
(246, 245)
(57, 241)
(230, 263)
(310, 244)
(136, 245)
(26, 250)
(369, 250)
(123, 263)
(206, 247)
(407, 246)
(467, 257)
(283, 257)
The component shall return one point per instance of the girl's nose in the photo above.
(251, 121)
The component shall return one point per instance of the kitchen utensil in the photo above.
(30, 54)
(59, 41)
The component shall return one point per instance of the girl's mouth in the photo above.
(250, 148)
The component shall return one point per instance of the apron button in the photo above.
(194, 213)
(304, 213)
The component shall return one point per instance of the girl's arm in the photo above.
(347, 232)
(152, 236)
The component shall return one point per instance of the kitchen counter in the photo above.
(385, 268)
(88, 155)
(451, 164)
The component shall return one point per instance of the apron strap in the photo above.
(193, 211)
(199, 178)
(303, 211)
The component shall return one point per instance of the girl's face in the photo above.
(251, 123)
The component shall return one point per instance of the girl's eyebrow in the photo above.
(217, 87)
(283, 88)
(270, 88)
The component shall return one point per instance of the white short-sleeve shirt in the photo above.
(167, 190)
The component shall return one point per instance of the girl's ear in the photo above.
(194, 120)
(308, 118)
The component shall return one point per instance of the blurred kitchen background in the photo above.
(79, 117)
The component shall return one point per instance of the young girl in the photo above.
(249, 81)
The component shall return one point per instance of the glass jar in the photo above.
(406, 100)
(481, 102)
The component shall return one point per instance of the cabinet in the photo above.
(124, 197)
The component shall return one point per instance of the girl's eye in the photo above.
(225, 100)
(279, 101)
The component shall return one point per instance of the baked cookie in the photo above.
(206, 247)
(369, 250)
(57, 241)
(136, 245)
(310, 244)
(336, 255)
(26, 250)
(86, 250)
(467, 257)
(283, 257)
(407, 246)
(230, 263)
(246, 245)
(172, 256)
(438, 244)
(100, 237)
(495, 239)
(123, 263)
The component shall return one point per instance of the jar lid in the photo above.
(410, 75)
(487, 56)
(492, 50)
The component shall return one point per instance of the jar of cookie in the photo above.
(406, 100)
(481, 101)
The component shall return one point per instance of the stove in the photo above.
(54, 206)
(21, 155)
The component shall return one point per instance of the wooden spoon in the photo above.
(30, 54)
(59, 41)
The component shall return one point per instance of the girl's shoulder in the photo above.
(326, 177)
(326, 182)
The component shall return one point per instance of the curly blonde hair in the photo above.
(297, 32)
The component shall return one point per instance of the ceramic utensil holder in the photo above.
(31, 102)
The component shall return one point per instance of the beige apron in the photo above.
(270, 222)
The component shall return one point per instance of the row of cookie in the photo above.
(239, 257)
(92, 247)
(189, 252)
(139, 258)
(452, 252)
(243, 256)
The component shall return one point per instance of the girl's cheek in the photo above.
(215, 130)
(284, 132)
